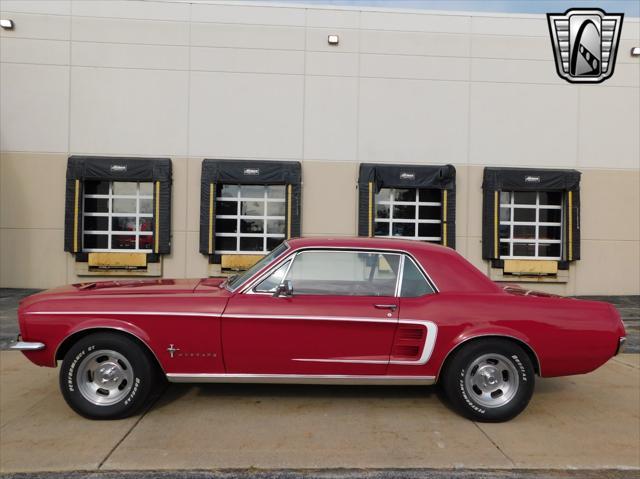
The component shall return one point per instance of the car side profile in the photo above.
(320, 311)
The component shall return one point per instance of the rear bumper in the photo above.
(19, 345)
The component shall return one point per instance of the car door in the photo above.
(339, 320)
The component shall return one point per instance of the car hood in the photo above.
(124, 287)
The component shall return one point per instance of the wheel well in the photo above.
(530, 352)
(75, 337)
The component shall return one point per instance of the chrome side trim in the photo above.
(298, 379)
(346, 361)
(128, 313)
(400, 275)
(312, 318)
(429, 344)
(26, 346)
(518, 340)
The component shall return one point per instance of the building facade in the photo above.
(191, 138)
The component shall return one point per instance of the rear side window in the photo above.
(414, 283)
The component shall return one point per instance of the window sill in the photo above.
(497, 274)
(152, 270)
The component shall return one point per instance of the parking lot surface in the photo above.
(580, 422)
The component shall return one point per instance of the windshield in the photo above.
(236, 280)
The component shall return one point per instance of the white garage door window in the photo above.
(117, 215)
(531, 225)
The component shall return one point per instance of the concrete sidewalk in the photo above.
(583, 422)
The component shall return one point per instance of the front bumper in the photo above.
(621, 342)
(19, 345)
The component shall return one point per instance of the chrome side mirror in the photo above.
(284, 289)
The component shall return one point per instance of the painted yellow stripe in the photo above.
(495, 224)
(370, 209)
(570, 212)
(75, 217)
(157, 248)
(288, 211)
(212, 189)
(444, 217)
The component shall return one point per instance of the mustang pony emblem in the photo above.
(172, 350)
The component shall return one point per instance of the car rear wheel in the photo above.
(489, 380)
(106, 376)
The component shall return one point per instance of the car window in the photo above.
(414, 283)
(272, 281)
(344, 273)
(236, 280)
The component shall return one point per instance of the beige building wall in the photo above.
(220, 80)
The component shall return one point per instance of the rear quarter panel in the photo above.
(568, 336)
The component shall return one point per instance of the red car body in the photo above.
(200, 330)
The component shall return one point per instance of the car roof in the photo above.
(410, 246)
(447, 268)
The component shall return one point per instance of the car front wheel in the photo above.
(489, 380)
(106, 376)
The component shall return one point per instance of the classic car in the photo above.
(321, 311)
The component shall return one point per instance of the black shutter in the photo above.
(490, 224)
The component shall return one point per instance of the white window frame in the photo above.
(537, 223)
(110, 215)
(238, 217)
(417, 221)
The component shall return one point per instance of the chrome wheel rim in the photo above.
(491, 380)
(104, 377)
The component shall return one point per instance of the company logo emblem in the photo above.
(585, 43)
(251, 171)
(118, 168)
(532, 179)
(407, 176)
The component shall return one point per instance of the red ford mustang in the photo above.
(356, 311)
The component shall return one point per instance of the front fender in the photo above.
(55, 338)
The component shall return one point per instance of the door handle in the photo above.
(392, 307)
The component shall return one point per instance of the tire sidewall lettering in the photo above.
(72, 368)
(523, 372)
(134, 390)
(465, 396)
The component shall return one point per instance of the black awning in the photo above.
(250, 172)
(408, 176)
(106, 168)
(530, 179)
